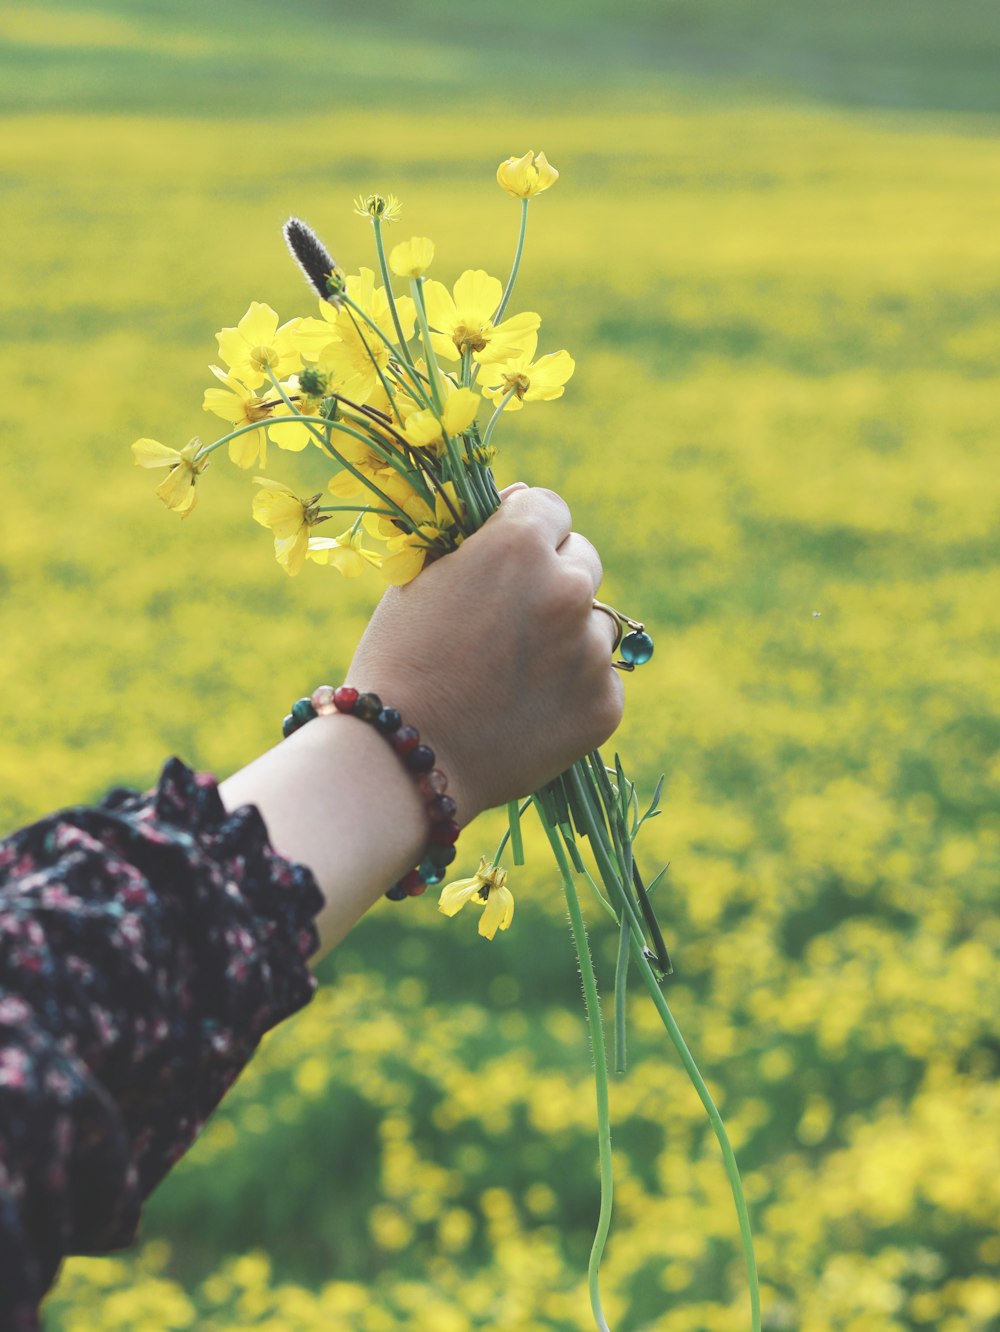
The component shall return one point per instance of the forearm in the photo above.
(335, 797)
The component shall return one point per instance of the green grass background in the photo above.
(773, 251)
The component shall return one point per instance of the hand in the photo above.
(495, 653)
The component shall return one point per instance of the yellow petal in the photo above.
(477, 296)
(150, 453)
(423, 429)
(455, 895)
(290, 551)
(412, 258)
(460, 410)
(402, 566)
(176, 490)
(244, 450)
(498, 911)
(441, 312)
(259, 324)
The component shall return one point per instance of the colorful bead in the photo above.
(345, 698)
(412, 881)
(441, 807)
(367, 707)
(445, 833)
(405, 739)
(430, 873)
(441, 856)
(421, 758)
(396, 893)
(303, 710)
(388, 720)
(636, 648)
(324, 700)
(289, 725)
(432, 783)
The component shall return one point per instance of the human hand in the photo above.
(495, 653)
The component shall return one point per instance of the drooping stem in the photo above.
(592, 1006)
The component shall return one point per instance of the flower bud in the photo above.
(524, 177)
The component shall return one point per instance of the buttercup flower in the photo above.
(412, 258)
(465, 320)
(176, 490)
(257, 345)
(289, 518)
(384, 206)
(524, 177)
(240, 406)
(424, 430)
(345, 553)
(488, 889)
(532, 381)
(344, 345)
(407, 551)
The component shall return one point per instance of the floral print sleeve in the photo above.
(146, 946)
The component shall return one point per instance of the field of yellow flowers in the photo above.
(782, 436)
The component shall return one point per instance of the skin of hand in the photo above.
(496, 654)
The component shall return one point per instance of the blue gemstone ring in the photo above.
(631, 639)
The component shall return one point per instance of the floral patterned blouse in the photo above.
(146, 946)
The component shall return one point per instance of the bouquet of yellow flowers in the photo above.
(391, 388)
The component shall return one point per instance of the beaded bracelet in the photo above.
(418, 759)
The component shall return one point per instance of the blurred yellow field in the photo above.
(782, 436)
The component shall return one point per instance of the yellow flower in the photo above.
(532, 381)
(240, 406)
(424, 430)
(257, 345)
(291, 434)
(176, 490)
(407, 551)
(465, 320)
(345, 346)
(524, 177)
(289, 518)
(384, 206)
(412, 258)
(488, 889)
(345, 553)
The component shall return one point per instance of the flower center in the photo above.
(261, 358)
(471, 336)
(519, 383)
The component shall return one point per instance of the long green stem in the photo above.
(598, 838)
(592, 1005)
(516, 264)
(437, 392)
(384, 268)
(728, 1156)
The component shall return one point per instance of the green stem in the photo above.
(728, 1157)
(384, 267)
(416, 286)
(516, 264)
(514, 822)
(621, 988)
(491, 425)
(592, 1005)
(598, 836)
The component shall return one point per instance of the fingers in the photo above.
(543, 510)
(580, 551)
(514, 485)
